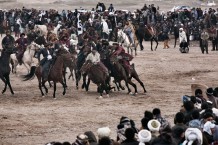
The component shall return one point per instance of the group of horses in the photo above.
(64, 58)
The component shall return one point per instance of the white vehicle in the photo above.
(211, 3)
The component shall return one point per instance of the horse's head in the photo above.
(86, 66)
(114, 60)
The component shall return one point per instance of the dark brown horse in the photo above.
(120, 74)
(5, 68)
(151, 34)
(97, 76)
(55, 75)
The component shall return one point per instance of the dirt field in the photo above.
(26, 118)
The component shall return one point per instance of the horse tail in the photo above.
(31, 74)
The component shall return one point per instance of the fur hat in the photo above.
(202, 87)
(22, 34)
(104, 131)
(123, 120)
(192, 134)
(180, 29)
(154, 125)
(209, 91)
(144, 136)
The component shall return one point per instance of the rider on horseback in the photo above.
(46, 62)
(94, 57)
(128, 29)
(21, 44)
(124, 57)
(8, 41)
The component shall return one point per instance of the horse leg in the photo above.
(40, 87)
(151, 44)
(54, 90)
(4, 80)
(9, 84)
(87, 85)
(84, 81)
(100, 91)
(127, 85)
(64, 76)
(175, 42)
(155, 39)
(135, 76)
(121, 86)
(27, 67)
(78, 76)
(64, 86)
(134, 85)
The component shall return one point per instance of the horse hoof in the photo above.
(100, 97)
(108, 95)
(136, 93)
(64, 93)
(54, 98)
(130, 93)
(43, 96)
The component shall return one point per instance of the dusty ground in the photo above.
(26, 118)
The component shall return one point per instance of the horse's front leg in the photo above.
(5, 82)
(156, 40)
(175, 42)
(151, 44)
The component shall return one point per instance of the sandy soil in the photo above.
(26, 118)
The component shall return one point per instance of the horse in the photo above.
(120, 74)
(55, 74)
(97, 76)
(123, 38)
(5, 68)
(27, 59)
(84, 51)
(151, 33)
(42, 29)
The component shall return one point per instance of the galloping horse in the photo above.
(120, 74)
(55, 75)
(123, 38)
(97, 76)
(5, 68)
(27, 59)
(151, 33)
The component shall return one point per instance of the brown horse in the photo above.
(55, 75)
(97, 76)
(120, 74)
(151, 33)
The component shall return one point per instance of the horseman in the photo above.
(8, 41)
(124, 57)
(21, 44)
(46, 62)
(94, 57)
(129, 30)
(204, 41)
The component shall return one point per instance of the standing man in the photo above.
(8, 40)
(182, 38)
(21, 44)
(204, 41)
(213, 32)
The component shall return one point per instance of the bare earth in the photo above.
(26, 118)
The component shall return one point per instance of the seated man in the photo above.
(21, 44)
(47, 53)
(125, 58)
(129, 31)
(94, 57)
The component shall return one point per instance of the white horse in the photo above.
(27, 57)
(55, 31)
(42, 29)
(124, 39)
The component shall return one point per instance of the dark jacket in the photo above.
(8, 41)
(44, 53)
(129, 142)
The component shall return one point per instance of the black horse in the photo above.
(5, 68)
